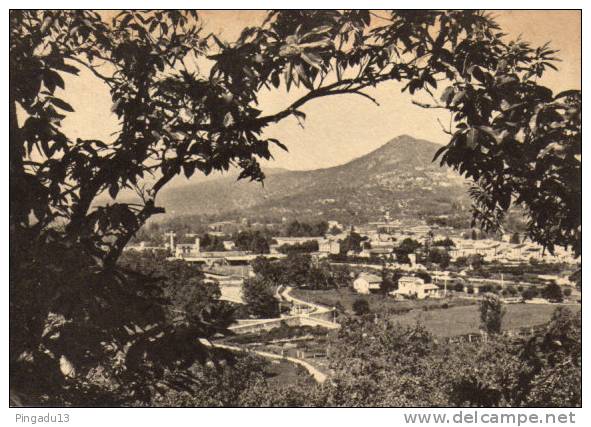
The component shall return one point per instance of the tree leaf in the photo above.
(61, 104)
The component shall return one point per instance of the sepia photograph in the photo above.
(295, 208)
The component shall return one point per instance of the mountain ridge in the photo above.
(398, 176)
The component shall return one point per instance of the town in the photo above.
(370, 248)
(387, 266)
(295, 208)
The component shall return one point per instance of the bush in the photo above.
(361, 307)
(458, 287)
(552, 293)
(461, 261)
(486, 289)
(567, 292)
(470, 289)
(529, 293)
(424, 275)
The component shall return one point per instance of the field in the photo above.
(378, 303)
(466, 319)
(462, 316)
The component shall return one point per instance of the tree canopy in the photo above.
(515, 139)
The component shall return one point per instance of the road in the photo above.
(318, 376)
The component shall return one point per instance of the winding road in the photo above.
(319, 376)
(284, 294)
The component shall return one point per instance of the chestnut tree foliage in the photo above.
(73, 305)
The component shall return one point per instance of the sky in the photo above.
(340, 128)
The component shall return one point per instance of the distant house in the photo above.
(187, 250)
(144, 247)
(334, 224)
(363, 254)
(379, 242)
(380, 251)
(374, 252)
(329, 246)
(410, 286)
(280, 241)
(229, 245)
(367, 283)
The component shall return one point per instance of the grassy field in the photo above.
(378, 303)
(462, 316)
(464, 320)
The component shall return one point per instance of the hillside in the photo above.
(399, 176)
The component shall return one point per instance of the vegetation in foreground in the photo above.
(87, 329)
(387, 364)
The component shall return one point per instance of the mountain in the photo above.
(399, 177)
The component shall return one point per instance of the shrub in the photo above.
(552, 293)
(461, 261)
(567, 292)
(424, 275)
(361, 306)
(470, 289)
(486, 289)
(529, 293)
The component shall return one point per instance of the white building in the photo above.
(409, 286)
(296, 240)
(229, 245)
(366, 283)
(187, 250)
(144, 247)
(334, 224)
(329, 246)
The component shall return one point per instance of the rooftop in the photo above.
(370, 278)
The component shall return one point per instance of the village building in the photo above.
(410, 286)
(229, 245)
(144, 247)
(367, 283)
(334, 224)
(329, 246)
(375, 252)
(187, 250)
(296, 240)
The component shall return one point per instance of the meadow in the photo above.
(462, 316)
